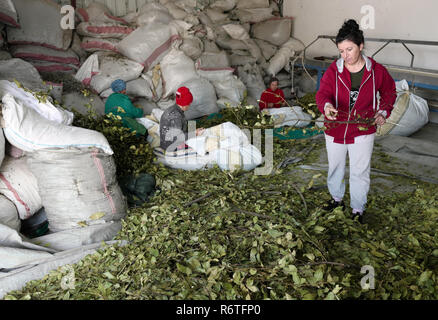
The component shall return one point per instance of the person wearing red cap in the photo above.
(173, 123)
(273, 97)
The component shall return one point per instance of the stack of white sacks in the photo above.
(220, 52)
(47, 162)
(34, 34)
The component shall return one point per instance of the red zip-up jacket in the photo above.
(268, 96)
(335, 89)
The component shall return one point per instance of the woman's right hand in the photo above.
(330, 112)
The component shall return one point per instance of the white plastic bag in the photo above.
(224, 5)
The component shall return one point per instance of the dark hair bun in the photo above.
(351, 25)
(350, 30)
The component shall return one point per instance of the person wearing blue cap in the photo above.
(119, 104)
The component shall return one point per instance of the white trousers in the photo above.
(359, 154)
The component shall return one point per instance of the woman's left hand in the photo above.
(379, 120)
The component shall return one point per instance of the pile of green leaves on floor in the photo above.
(219, 235)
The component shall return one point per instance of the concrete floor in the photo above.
(429, 132)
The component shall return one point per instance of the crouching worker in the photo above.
(173, 123)
(273, 97)
(119, 104)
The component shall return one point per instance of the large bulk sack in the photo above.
(45, 54)
(134, 88)
(213, 61)
(148, 44)
(77, 187)
(276, 30)
(241, 60)
(98, 12)
(192, 47)
(282, 57)
(82, 104)
(231, 88)
(154, 16)
(228, 146)
(252, 78)
(44, 108)
(224, 5)
(250, 4)
(4, 55)
(204, 98)
(410, 113)
(224, 41)
(8, 14)
(101, 69)
(289, 116)
(176, 13)
(19, 185)
(216, 16)
(254, 15)
(9, 214)
(90, 44)
(27, 130)
(76, 48)
(44, 66)
(245, 157)
(40, 24)
(236, 31)
(176, 68)
(268, 50)
(2, 146)
(23, 72)
(226, 85)
(188, 159)
(103, 30)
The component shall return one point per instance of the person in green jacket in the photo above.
(119, 104)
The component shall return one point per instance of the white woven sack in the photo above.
(27, 130)
(77, 187)
(149, 44)
(176, 68)
(19, 185)
(8, 214)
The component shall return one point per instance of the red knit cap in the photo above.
(183, 97)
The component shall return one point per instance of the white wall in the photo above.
(398, 19)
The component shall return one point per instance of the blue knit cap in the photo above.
(118, 85)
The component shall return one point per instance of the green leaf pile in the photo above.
(219, 235)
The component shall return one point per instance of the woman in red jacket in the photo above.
(348, 98)
(273, 97)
